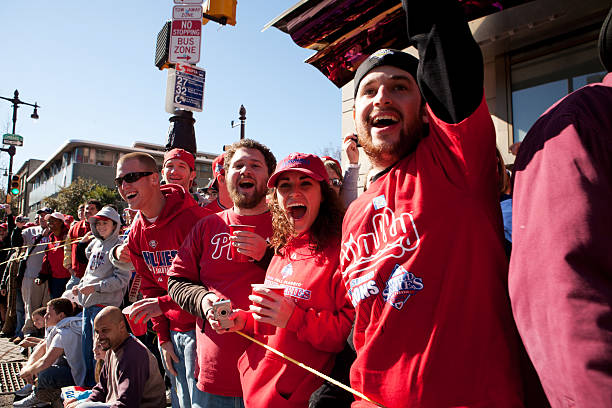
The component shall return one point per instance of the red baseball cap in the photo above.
(306, 163)
(4, 225)
(180, 154)
(329, 158)
(217, 166)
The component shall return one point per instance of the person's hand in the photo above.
(8, 209)
(75, 290)
(238, 316)
(169, 357)
(272, 308)
(349, 145)
(87, 290)
(27, 375)
(123, 253)
(38, 281)
(30, 342)
(514, 147)
(249, 244)
(88, 237)
(145, 309)
(71, 403)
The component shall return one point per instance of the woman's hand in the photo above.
(271, 307)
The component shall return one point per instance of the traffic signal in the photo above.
(224, 10)
(15, 189)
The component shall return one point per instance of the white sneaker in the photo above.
(31, 401)
(27, 390)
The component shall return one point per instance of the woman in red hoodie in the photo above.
(312, 320)
(53, 261)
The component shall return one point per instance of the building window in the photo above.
(104, 157)
(540, 82)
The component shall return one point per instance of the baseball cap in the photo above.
(180, 154)
(45, 210)
(57, 215)
(394, 58)
(306, 163)
(217, 166)
(4, 225)
(21, 218)
(329, 158)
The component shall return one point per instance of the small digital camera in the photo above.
(221, 311)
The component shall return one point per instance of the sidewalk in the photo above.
(8, 352)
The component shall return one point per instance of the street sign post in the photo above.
(12, 139)
(185, 34)
(185, 88)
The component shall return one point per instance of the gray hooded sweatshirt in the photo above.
(109, 282)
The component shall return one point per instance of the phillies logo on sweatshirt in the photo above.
(159, 261)
(391, 237)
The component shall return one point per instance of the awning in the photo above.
(344, 32)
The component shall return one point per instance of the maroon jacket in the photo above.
(78, 230)
(560, 278)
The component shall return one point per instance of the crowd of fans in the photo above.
(405, 288)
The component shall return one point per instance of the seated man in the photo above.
(57, 362)
(130, 376)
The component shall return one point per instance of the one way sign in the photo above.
(186, 34)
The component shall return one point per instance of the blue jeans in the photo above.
(19, 306)
(187, 394)
(56, 376)
(57, 286)
(220, 401)
(89, 314)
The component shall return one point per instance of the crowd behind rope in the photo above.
(403, 293)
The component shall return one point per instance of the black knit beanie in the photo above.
(395, 58)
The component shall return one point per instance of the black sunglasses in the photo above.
(336, 182)
(132, 177)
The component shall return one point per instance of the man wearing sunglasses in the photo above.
(167, 214)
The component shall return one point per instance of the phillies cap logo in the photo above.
(152, 243)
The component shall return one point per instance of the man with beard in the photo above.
(205, 263)
(130, 375)
(422, 255)
(166, 216)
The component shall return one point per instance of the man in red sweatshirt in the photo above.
(167, 214)
(422, 255)
(205, 261)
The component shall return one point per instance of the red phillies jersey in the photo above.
(215, 206)
(423, 263)
(205, 258)
(317, 329)
(53, 260)
(78, 230)
(152, 249)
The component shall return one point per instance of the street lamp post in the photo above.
(11, 149)
(242, 117)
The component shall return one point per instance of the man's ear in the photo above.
(424, 115)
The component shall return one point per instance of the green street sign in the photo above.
(11, 139)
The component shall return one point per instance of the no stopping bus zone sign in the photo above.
(185, 34)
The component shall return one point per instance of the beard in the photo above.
(247, 201)
(391, 152)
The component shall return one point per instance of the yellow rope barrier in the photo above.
(312, 370)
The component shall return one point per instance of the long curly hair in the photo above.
(325, 230)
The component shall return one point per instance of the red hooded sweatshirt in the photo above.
(154, 245)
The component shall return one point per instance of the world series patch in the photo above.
(400, 286)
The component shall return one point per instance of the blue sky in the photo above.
(90, 66)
